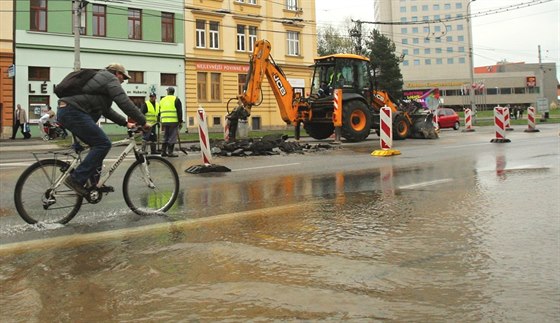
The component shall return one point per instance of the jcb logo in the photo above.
(379, 97)
(279, 84)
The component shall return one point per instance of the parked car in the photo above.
(448, 118)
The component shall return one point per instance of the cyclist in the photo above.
(80, 113)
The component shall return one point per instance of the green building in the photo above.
(146, 37)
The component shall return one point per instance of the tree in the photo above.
(381, 52)
(330, 41)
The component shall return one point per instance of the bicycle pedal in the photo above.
(106, 189)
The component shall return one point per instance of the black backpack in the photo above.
(73, 83)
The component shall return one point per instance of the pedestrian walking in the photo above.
(150, 109)
(79, 113)
(21, 122)
(171, 117)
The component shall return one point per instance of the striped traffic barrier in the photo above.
(337, 115)
(507, 120)
(385, 134)
(468, 121)
(500, 114)
(204, 140)
(532, 127)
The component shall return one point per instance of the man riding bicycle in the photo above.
(79, 114)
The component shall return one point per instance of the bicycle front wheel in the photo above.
(152, 187)
(37, 201)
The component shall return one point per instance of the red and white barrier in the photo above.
(531, 114)
(386, 133)
(203, 137)
(207, 165)
(468, 121)
(500, 114)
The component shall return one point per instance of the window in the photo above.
(519, 90)
(200, 33)
(414, 30)
(404, 30)
(241, 79)
(461, 49)
(241, 38)
(291, 5)
(215, 86)
(36, 73)
(448, 28)
(437, 29)
(450, 49)
(461, 60)
(167, 27)
(405, 51)
(492, 91)
(136, 77)
(449, 39)
(214, 35)
(428, 61)
(427, 51)
(168, 79)
(293, 43)
(436, 6)
(99, 20)
(252, 37)
(416, 62)
(458, 5)
(216, 121)
(405, 62)
(438, 50)
(439, 61)
(459, 27)
(38, 15)
(505, 90)
(414, 9)
(415, 40)
(461, 38)
(403, 9)
(424, 7)
(416, 51)
(447, 6)
(450, 60)
(134, 24)
(201, 86)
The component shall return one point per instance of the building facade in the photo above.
(219, 37)
(6, 69)
(434, 39)
(146, 38)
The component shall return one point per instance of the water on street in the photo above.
(456, 230)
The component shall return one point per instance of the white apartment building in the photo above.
(434, 38)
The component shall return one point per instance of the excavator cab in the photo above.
(348, 72)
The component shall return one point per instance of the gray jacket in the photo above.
(98, 96)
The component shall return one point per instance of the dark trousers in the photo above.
(19, 125)
(86, 129)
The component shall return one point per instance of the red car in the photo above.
(448, 118)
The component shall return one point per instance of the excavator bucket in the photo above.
(423, 127)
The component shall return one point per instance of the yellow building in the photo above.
(6, 69)
(219, 36)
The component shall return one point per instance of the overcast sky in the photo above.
(513, 35)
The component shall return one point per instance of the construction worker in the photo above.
(171, 117)
(150, 109)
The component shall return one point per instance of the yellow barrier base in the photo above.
(385, 152)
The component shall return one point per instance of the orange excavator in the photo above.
(342, 84)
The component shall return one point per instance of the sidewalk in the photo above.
(31, 144)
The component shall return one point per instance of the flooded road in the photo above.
(456, 230)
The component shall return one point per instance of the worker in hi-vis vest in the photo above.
(171, 118)
(150, 109)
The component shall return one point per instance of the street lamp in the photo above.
(471, 67)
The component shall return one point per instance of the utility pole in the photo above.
(77, 6)
(471, 63)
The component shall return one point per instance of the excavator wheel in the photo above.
(319, 131)
(401, 127)
(356, 121)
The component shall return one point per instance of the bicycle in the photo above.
(150, 185)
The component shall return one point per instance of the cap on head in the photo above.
(118, 68)
(152, 94)
(170, 90)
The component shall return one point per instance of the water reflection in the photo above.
(358, 246)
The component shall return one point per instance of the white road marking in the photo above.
(424, 184)
(263, 167)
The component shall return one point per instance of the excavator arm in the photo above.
(262, 64)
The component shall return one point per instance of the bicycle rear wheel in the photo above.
(146, 199)
(35, 199)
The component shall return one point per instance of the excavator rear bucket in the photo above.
(423, 128)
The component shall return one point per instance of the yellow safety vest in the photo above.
(152, 113)
(168, 113)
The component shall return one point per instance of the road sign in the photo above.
(542, 105)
